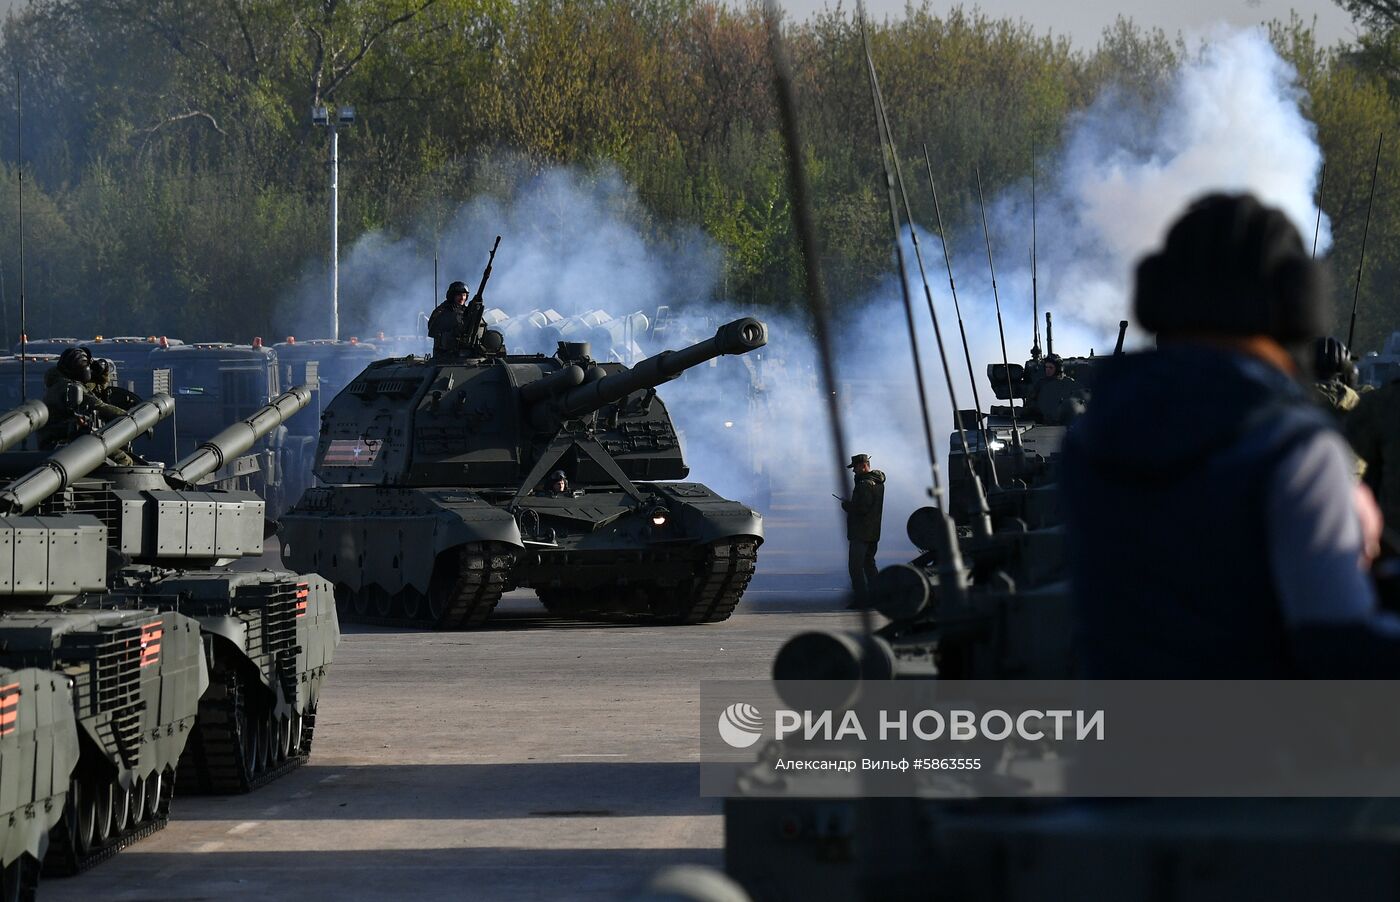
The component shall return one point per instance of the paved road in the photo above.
(536, 759)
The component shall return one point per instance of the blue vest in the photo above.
(1165, 481)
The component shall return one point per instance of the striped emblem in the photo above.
(303, 593)
(9, 708)
(150, 643)
(346, 452)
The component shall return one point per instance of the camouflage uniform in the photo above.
(864, 510)
(1373, 428)
(1339, 396)
(74, 408)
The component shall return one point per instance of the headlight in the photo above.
(659, 516)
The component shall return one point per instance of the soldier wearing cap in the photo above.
(1214, 529)
(454, 324)
(863, 512)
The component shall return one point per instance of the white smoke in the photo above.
(1229, 121)
(756, 430)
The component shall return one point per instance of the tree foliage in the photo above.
(175, 183)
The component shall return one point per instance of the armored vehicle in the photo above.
(1377, 369)
(436, 497)
(269, 635)
(99, 775)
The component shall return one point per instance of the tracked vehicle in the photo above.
(268, 635)
(433, 503)
(105, 691)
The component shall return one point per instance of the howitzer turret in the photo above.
(457, 451)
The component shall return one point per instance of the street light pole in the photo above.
(344, 117)
(335, 233)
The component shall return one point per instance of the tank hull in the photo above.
(393, 553)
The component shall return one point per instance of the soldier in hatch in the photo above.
(557, 486)
(864, 510)
(104, 385)
(455, 325)
(74, 407)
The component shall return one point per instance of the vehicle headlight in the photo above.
(659, 516)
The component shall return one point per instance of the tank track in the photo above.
(719, 583)
(216, 758)
(468, 594)
(66, 856)
(710, 596)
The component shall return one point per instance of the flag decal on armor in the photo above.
(351, 452)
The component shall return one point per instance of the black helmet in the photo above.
(1330, 358)
(76, 363)
(1232, 266)
(457, 288)
(558, 476)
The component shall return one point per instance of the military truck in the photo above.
(217, 383)
(269, 635)
(436, 498)
(99, 775)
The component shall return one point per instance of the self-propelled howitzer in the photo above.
(439, 494)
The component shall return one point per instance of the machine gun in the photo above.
(475, 328)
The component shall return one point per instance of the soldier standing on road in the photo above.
(1373, 428)
(1214, 527)
(863, 512)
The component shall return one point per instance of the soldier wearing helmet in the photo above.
(74, 407)
(1335, 374)
(455, 325)
(1215, 425)
(556, 485)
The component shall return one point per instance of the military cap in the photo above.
(457, 288)
(857, 460)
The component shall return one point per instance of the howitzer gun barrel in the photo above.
(20, 423)
(238, 438)
(83, 455)
(739, 337)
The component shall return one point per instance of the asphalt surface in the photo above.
(535, 759)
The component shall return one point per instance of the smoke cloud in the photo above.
(755, 428)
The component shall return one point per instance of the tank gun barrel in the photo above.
(739, 337)
(18, 424)
(83, 455)
(238, 438)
